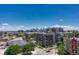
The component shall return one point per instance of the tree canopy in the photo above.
(12, 50)
(28, 48)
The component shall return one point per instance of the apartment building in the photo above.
(48, 39)
(72, 45)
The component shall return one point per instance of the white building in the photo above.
(17, 41)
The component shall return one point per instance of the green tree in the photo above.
(31, 38)
(12, 50)
(60, 47)
(77, 34)
(28, 48)
(21, 33)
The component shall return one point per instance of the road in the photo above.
(39, 51)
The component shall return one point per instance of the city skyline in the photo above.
(27, 16)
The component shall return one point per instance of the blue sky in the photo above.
(38, 15)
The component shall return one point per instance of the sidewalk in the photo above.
(2, 51)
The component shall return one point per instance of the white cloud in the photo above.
(66, 27)
(60, 20)
(4, 24)
(6, 27)
(45, 26)
(22, 26)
